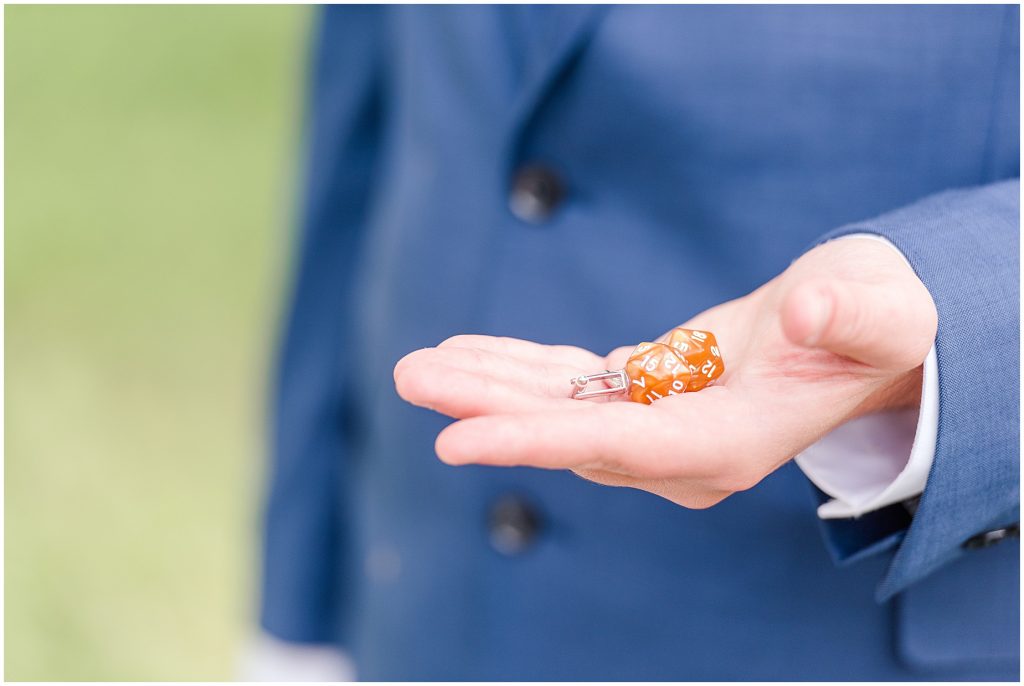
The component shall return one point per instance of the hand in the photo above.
(841, 333)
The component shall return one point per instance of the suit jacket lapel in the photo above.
(564, 31)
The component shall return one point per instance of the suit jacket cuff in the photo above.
(963, 245)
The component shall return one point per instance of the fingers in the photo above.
(538, 377)
(501, 375)
(597, 438)
(527, 350)
(617, 358)
(460, 393)
(692, 436)
(889, 326)
(467, 383)
(521, 361)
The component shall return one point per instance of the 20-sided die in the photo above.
(686, 361)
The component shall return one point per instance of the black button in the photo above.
(992, 537)
(537, 192)
(513, 525)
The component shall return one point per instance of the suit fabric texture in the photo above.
(700, 150)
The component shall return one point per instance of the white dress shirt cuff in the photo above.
(267, 658)
(879, 459)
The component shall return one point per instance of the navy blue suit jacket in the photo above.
(701, 150)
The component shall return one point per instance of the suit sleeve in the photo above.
(963, 244)
(303, 539)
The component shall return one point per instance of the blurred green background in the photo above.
(150, 159)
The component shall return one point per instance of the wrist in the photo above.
(901, 392)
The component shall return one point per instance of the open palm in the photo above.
(841, 333)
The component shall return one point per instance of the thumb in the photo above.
(889, 325)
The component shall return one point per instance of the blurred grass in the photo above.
(149, 165)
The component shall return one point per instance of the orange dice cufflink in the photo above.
(686, 361)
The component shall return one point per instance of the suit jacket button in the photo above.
(514, 525)
(990, 538)
(537, 191)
